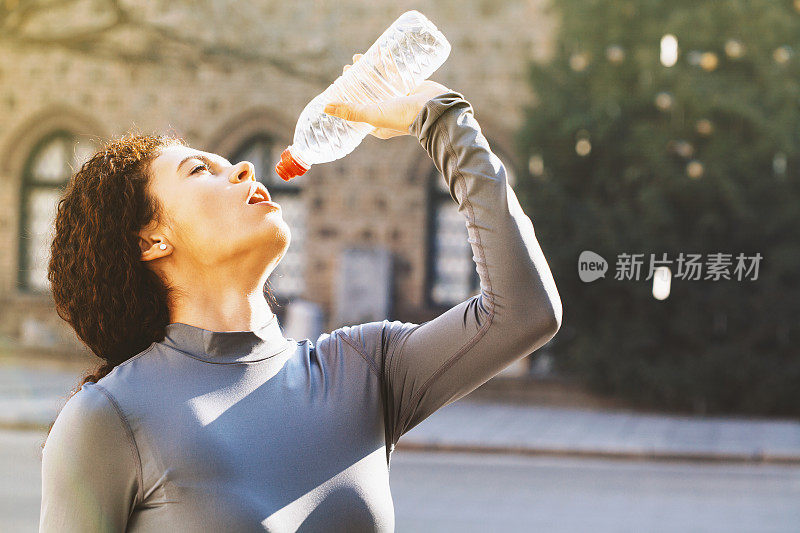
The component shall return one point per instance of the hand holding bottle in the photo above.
(391, 117)
(381, 95)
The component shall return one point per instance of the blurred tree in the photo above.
(669, 127)
(181, 32)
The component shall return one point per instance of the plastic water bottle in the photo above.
(407, 53)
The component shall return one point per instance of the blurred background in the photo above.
(628, 128)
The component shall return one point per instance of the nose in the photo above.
(243, 171)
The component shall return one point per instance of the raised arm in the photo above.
(425, 367)
(90, 467)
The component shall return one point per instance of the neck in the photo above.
(219, 301)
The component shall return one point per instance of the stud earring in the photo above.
(162, 246)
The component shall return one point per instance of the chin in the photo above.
(273, 242)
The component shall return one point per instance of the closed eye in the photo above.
(199, 166)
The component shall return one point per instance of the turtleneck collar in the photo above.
(225, 347)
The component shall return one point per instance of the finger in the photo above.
(386, 133)
(348, 111)
(373, 114)
(344, 69)
(356, 56)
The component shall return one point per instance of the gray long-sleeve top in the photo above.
(251, 431)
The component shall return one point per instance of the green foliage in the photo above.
(711, 346)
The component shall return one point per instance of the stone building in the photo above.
(231, 77)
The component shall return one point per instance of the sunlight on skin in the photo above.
(219, 250)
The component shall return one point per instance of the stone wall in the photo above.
(375, 195)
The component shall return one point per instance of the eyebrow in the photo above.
(201, 157)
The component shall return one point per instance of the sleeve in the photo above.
(425, 367)
(90, 466)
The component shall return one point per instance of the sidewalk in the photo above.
(31, 395)
(533, 430)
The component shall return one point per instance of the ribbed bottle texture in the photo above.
(408, 52)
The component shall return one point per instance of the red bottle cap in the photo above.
(288, 167)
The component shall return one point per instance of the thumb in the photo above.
(348, 111)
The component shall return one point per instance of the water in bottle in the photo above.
(408, 52)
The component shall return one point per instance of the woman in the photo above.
(204, 417)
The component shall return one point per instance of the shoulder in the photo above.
(91, 413)
(90, 429)
(362, 333)
(89, 456)
(352, 344)
(372, 341)
(368, 337)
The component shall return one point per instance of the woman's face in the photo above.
(208, 219)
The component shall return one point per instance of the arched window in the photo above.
(288, 279)
(452, 276)
(46, 173)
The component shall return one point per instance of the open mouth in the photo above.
(259, 195)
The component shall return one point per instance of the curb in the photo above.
(643, 455)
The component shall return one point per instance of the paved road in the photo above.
(442, 492)
(20, 481)
(438, 492)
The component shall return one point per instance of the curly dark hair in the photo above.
(101, 287)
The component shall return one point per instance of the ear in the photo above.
(154, 246)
